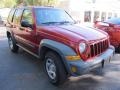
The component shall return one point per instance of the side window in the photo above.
(10, 17)
(27, 16)
(17, 16)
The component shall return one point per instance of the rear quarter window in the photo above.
(17, 16)
(10, 17)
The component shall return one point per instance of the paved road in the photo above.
(24, 72)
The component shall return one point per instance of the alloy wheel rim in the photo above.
(51, 68)
(10, 43)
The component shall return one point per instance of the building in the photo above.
(88, 11)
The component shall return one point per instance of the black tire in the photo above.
(117, 50)
(60, 72)
(12, 45)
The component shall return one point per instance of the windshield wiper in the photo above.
(51, 23)
(64, 22)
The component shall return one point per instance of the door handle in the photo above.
(21, 28)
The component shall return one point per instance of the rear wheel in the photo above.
(12, 45)
(54, 68)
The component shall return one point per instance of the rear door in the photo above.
(16, 24)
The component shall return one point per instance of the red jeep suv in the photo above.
(51, 35)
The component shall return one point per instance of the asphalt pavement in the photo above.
(22, 71)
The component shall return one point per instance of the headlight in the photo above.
(82, 47)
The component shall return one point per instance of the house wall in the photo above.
(77, 9)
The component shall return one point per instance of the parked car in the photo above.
(112, 27)
(51, 35)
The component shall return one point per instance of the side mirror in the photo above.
(26, 24)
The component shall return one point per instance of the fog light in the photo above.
(74, 69)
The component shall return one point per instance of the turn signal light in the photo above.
(71, 58)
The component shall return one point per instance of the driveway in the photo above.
(22, 71)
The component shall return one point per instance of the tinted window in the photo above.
(10, 17)
(17, 16)
(113, 21)
(44, 16)
(27, 16)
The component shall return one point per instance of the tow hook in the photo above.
(103, 64)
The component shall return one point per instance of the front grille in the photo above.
(98, 48)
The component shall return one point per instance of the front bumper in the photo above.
(83, 67)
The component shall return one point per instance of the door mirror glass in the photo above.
(26, 24)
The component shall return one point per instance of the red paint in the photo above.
(70, 35)
(113, 30)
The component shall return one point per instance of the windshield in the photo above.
(52, 16)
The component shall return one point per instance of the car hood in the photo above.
(75, 33)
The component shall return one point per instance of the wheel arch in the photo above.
(61, 49)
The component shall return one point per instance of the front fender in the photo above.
(62, 49)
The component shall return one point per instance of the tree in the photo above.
(7, 3)
(41, 2)
(37, 2)
(11, 3)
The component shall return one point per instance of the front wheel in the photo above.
(54, 68)
(12, 45)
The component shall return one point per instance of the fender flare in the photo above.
(12, 35)
(62, 49)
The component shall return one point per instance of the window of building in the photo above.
(96, 16)
(109, 15)
(103, 16)
(115, 14)
(87, 16)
